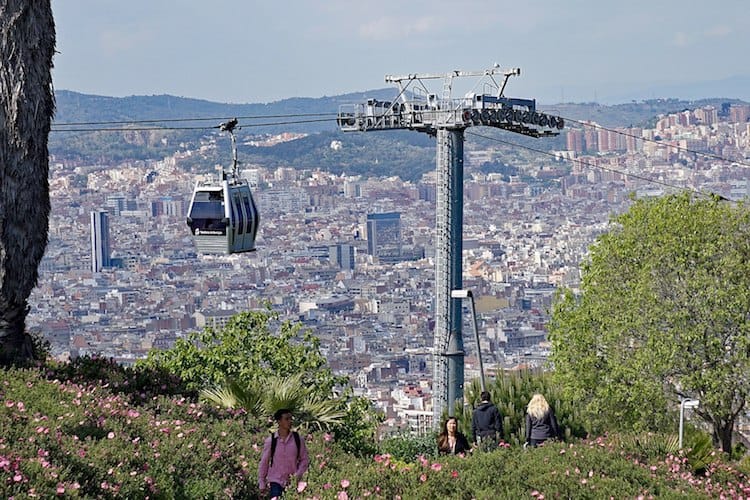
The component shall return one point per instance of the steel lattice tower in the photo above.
(447, 119)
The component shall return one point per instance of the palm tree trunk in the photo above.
(27, 45)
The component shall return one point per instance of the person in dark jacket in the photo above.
(452, 441)
(486, 423)
(541, 423)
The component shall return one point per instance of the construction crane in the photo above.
(446, 118)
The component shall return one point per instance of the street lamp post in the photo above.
(466, 294)
(686, 403)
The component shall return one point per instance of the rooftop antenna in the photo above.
(446, 118)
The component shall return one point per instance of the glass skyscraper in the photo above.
(100, 257)
(384, 236)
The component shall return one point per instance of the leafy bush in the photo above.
(139, 384)
(407, 448)
(700, 450)
(357, 433)
(60, 437)
(647, 445)
(247, 350)
(512, 392)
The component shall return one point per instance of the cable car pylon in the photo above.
(447, 118)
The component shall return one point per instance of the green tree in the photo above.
(247, 351)
(27, 44)
(663, 313)
(247, 364)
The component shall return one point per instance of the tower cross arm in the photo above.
(451, 74)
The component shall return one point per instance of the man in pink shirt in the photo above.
(284, 455)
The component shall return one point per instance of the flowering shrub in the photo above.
(408, 448)
(83, 439)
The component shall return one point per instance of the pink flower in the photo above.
(111, 435)
(60, 489)
(301, 486)
(423, 477)
(454, 474)
(436, 466)
(345, 483)
(327, 486)
(327, 437)
(343, 496)
(534, 493)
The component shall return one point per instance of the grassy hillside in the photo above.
(95, 430)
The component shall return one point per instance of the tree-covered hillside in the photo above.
(116, 129)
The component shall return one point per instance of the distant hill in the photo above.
(179, 122)
(73, 107)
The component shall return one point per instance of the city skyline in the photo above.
(256, 52)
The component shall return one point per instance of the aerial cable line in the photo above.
(660, 143)
(139, 129)
(127, 129)
(173, 120)
(626, 174)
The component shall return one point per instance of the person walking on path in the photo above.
(486, 422)
(541, 423)
(284, 455)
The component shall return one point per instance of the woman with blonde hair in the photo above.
(541, 423)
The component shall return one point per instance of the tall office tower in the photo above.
(384, 236)
(99, 240)
(343, 256)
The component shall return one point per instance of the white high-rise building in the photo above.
(99, 240)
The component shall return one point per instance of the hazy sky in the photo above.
(246, 51)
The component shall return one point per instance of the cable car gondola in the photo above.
(222, 216)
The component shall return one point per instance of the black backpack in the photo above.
(295, 434)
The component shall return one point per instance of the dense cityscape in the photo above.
(352, 257)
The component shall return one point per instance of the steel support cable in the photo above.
(173, 120)
(140, 129)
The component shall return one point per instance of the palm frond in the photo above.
(220, 395)
(233, 395)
